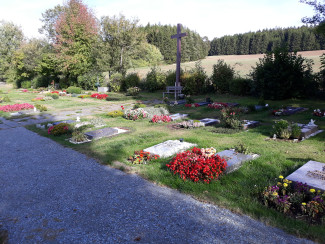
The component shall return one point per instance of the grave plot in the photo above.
(169, 148)
(288, 111)
(312, 173)
(250, 124)
(105, 132)
(319, 112)
(209, 121)
(235, 160)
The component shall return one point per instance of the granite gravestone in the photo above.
(235, 160)
(178, 116)
(312, 173)
(169, 148)
(105, 132)
(208, 121)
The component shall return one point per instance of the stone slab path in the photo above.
(53, 194)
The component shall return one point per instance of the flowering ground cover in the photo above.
(16, 107)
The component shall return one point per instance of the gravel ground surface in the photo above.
(53, 194)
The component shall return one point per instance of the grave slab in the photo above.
(307, 130)
(208, 121)
(178, 116)
(235, 160)
(203, 103)
(250, 124)
(312, 173)
(169, 148)
(232, 104)
(105, 132)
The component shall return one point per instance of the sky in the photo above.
(211, 18)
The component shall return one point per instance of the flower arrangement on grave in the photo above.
(218, 105)
(38, 99)
(78, 136)
(197, 166)
(278, 112)
(141, 157)
(55, 92)
(192, 105)
(161, 118)
(24, 90)
(319, 113)
(295, 200)
(230, 117)
(16, 107)
(99, 96)
(59, 129)
(189, 124)
(135, 114)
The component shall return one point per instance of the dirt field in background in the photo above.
(242, 63)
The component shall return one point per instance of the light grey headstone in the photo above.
(102, 89)
(304, 175)
(178, 116)
(169, 148)
(208, 121)
(105, 132)
(235, 159)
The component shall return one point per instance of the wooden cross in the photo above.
(178, 36)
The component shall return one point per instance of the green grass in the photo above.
(242, 63)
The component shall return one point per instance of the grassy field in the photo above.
(242, 63)
(239, 191)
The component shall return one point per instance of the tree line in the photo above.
(295, 39)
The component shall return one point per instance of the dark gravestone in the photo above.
(203, 103)
(105, 132)
(208, 121)
(250, 124)
(293, 110)
(232, 104)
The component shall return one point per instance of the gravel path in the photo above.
(53, 194)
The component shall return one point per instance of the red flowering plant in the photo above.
(192, 105)
(16, 107)
(99, 96)
(217, 105)
(55, 92)
(141, 157)
(161, 118)
(59, 129)
(196, 166)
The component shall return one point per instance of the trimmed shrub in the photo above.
(133, 91)
(295, 131)
(74, 90)
(26, 84)
(115, 82)
(222, 75)
(281, 129)
(155, 80)
(115, 113)
(240, 86)
(131, 80)
(52, 95)
(40, 107)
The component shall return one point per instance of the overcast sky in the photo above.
(212, 18)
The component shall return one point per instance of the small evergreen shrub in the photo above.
(133, 91)
(155, 80)
(115, 82)
(281, 129)
(40, 107)
(115, 113)
(131, 80)
(52, 95)
(139, 105)
(242, 148)
(240, 86)
(26, 84)
(73, 90)
(78, 136)
(222, 75)
(295, 131)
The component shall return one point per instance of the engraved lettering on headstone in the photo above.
(317, 174)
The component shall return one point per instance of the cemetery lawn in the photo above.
(239, 191)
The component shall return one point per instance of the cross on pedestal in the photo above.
(178, 36)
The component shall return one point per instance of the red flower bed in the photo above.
(162, 118)
(189, 105)
(55, 92)
(218, 105)
(194, 166)
(99, 96)
(16, 107)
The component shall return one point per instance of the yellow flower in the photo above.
(318, 191)
(279, 183)
(285, 184)
(290, 182)
(281, 177)
(285, 180)
(304, 203)
(275, 193)
(312, 190)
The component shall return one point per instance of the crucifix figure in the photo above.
(178, 36)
